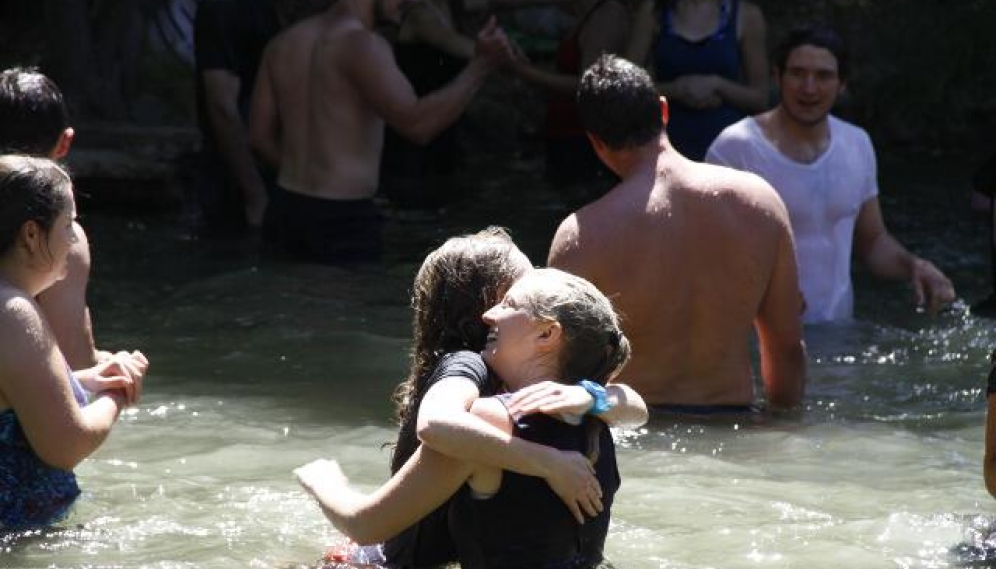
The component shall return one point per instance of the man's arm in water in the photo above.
(779, 323)
(886, 257)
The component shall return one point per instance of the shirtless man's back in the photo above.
(325, 88)
(693, 256)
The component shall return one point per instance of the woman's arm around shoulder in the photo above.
(446, 425)
(626, 408)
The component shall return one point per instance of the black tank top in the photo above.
(427, 543)
(525, 525)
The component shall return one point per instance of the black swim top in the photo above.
(428, 543)
(524, 525)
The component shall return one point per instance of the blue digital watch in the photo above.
(600, 400)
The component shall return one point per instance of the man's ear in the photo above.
(665, 111)
(61, 148)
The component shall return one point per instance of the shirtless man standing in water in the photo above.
(324, 90)
(694, 256)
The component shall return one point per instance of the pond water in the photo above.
(259, 367)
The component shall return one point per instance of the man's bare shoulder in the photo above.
(289, 44)
(355, 39)
(565, 241)
(585, 234)
(745, 187)
(353, 48)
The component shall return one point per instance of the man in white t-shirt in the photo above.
(824, 169)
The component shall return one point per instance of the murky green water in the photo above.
(259, 367)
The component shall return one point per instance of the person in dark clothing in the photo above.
(708, 58)
(229, 37)
(525, 525)
(430, 52)
(463, 274)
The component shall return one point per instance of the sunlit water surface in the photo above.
(259, 367)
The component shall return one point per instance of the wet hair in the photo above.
(594, 346)
(456, 284)
(817, 35)
(619, 103)
(31, 189)
(32, 112)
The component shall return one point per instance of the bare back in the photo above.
(690, 257)
(331, 139)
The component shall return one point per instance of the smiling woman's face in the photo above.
(513, 332)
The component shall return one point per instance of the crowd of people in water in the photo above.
(729, 218)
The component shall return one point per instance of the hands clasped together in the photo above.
(120, 373)
(494, 46)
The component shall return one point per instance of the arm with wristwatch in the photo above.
(616, 404)
(568, 473)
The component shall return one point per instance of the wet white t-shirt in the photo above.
(823, 200)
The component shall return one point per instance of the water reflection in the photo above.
(259, 367)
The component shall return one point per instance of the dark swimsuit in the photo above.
(317, 230)
(415, 175)
(427, 543)
(691, 130)
(32, 494)
(524, 525)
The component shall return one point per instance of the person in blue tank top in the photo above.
(549, 325)
(47, 424)
(708, 57)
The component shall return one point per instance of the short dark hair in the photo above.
(818, 35)
(32, 112)
(619, 104)
(31, 189)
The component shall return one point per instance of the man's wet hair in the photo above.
(619, 104)
(817, 35)
(32, 112)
